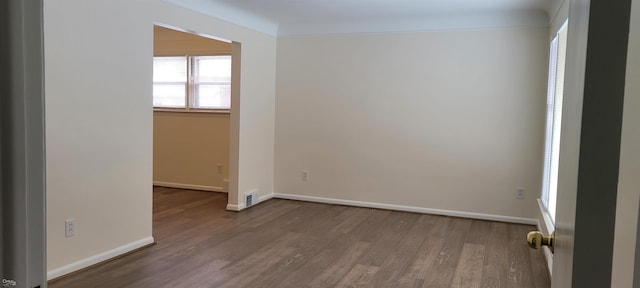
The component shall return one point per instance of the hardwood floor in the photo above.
(282, 243)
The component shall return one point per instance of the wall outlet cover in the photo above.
(69, 228)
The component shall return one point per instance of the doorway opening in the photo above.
(192, 91)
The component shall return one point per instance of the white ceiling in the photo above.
(295, 17)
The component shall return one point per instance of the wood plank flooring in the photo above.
(282, 243)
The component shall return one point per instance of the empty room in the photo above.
(349, 143)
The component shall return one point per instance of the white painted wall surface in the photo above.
(98, 127)
(98, 59)
(443, 120)
(629, 175)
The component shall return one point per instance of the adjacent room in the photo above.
(192, 95)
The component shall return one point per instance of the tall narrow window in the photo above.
(192, 82)
(554, 121)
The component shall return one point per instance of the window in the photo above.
(192, 82)
(212, 82)
(554, 121)
(170, 82)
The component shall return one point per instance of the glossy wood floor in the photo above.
(282, 243)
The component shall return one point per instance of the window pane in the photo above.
(169, 69)
(557, 120)
(213, 69)
(172, 95)
(212, 79)
(554, 121)
(213, 96)
(553, 61)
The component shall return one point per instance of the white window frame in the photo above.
(190, 87)
(553, 125)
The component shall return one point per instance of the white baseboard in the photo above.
(266, 197)
(242, 206)
(84, 263)
(472, 215)
(189, 186)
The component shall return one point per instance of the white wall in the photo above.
(99, 121)
(629, 180)
(442, 120)
(98, 127)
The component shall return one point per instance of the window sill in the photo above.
(181, 110)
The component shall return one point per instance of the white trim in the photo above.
(191, 110)
(560, 15)
(433, 22)
(265, 197)
(95, 259)
(453, 213)
(548, 256)
(242, 206)
(448, 22)
(189, 186)
(555, 9)
(548, 226)
(229, 14)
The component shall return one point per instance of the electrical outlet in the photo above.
(305, 175)
(69, 228)
(520, 193)
(220, 168)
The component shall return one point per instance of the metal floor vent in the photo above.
(251, 199)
